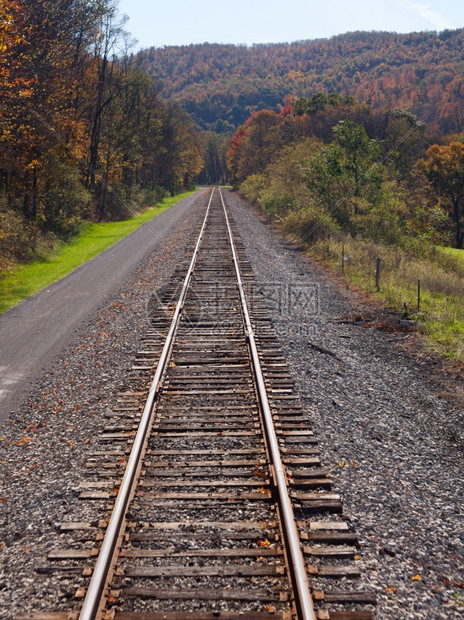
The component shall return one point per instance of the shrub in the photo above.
(66, 202)
(309, 224)
(253, 186)
(17, 236)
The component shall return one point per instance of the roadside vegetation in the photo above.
(355, 185)
(49, 263)
(81, 126)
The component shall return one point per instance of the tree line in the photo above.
(84, 132)
(328, 163)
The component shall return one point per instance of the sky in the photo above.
(181, 22)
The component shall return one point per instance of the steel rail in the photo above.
(93, 599)
(304, 601)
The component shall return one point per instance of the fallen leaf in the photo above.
(341, 463)
(393, 589)
(416, 578)
(263, 543)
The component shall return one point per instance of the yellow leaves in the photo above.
(357, 557)
(342, 464)
(1, 438)
(263, 543)
(270, 609)
(416, 578)
(173, 364)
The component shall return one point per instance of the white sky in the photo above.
(180, 22)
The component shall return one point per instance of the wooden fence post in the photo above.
(377, 274)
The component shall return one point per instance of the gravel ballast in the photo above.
(389, 436)
(45, 444)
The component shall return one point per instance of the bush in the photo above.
(153, 196)
(17, 237)
(66, 202)
(253, 186)
(277, 204)
(309, 224)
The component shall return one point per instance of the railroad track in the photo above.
(223, 509)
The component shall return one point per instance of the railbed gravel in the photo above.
(49, 438)
(388, 415)
(388, 435)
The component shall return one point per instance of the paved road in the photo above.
(35, 331)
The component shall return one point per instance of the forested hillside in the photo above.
(220, 85)
(84, 133)
(360, 187)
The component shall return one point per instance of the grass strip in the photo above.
(439, 313)
(453, 252)
(52, 264)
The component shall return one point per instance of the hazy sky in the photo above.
(180, 22)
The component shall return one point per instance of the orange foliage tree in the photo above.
(444, 169)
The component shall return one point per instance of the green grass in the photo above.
(441, 314)
(52, 264)
(453, 252)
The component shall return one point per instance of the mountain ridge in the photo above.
(221, 84)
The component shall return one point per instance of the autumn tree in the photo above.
(343, 176)
(404, 140)
(254, 145)
(83, 133)
(444, 169)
